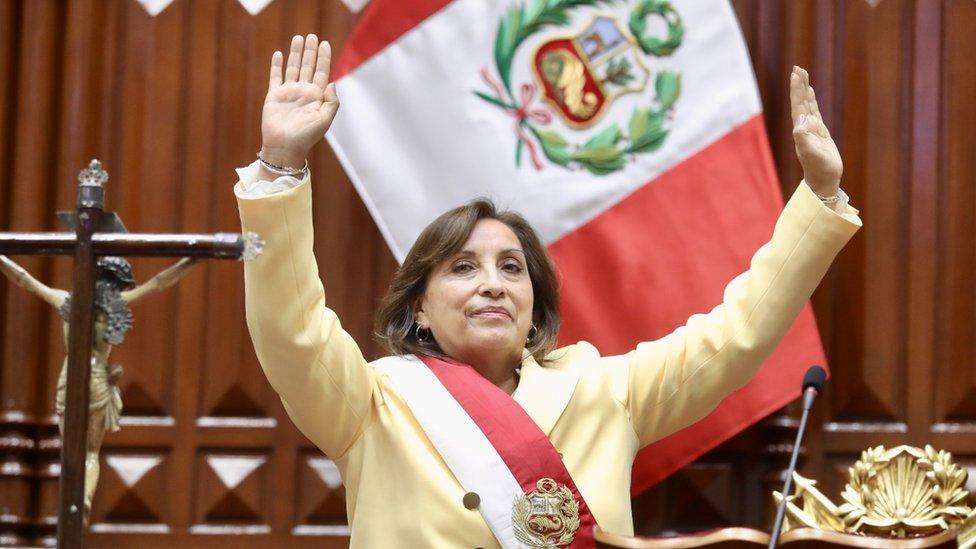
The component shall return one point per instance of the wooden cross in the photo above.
(93, 237)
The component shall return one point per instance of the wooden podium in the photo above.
(748, 538)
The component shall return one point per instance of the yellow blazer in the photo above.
(597, 411)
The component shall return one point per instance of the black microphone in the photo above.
(813, 382)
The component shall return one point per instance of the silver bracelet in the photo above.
(828, 199)
(282, 170)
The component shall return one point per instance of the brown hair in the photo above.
(395, 321)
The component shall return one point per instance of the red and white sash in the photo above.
(493, 448)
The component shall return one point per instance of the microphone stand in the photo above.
(809, 395)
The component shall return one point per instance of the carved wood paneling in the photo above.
(868, 369)
(233, 493)
(321, 499)
(133, 493)
(171, 105)
(955, 388)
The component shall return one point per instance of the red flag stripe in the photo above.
(776, 384)
(383, 22)
(641, 268)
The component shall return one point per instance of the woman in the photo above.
(476, 433)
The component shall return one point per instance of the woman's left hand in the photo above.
(817, 152)
(300, 104)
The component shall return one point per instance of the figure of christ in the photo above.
(115, 292)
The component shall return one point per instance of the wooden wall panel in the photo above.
(134, 489)
(873, 388)
(955, 388)
(171, 105)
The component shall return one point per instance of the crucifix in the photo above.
(98, 242)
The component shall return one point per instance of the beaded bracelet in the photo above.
(282, 170)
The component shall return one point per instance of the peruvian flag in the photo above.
(629, 133)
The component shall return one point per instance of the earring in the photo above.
(532, 333)
(422, 338)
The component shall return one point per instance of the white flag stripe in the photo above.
(458, 439)
(441, 145)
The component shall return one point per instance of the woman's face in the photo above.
(478, 303)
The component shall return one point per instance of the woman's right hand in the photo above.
(300, 104)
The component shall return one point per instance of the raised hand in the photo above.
(817, 152)
(300, 104)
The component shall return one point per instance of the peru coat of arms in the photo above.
(547, 517)
(580, 74)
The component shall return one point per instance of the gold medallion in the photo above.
(546, 517)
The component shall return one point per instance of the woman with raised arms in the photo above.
(476, 431)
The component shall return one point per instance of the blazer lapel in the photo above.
(544, 393)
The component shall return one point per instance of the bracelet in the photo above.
(283, 170)
(829, 199)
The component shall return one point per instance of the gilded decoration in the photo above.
(901, 492)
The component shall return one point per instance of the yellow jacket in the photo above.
(598, 411)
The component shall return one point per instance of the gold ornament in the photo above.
(901, 492)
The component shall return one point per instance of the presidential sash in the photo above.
(495, 450)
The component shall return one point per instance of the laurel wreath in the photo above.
(653, 45)
(941, 495)
(606, 151)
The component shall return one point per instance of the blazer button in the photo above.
(471, 500)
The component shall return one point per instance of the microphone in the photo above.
(813, 382)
